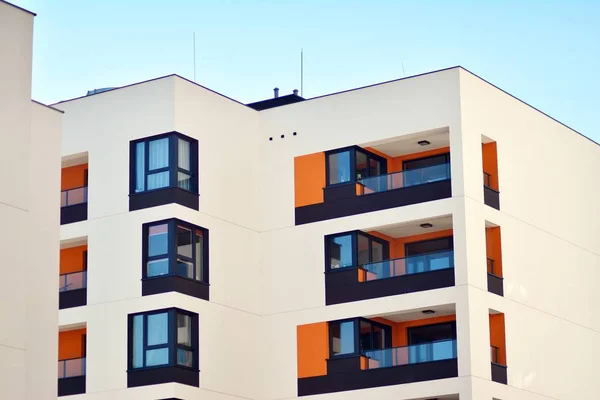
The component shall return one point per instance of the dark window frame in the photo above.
(357, 348)
(172, 255)
(172, 168)
(354, 239)
(446, 156)
(171, 345)
(412, 329)
(450, 238)
(353, 150)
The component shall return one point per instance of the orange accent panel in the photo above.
(70, 344)
(309, 179)
(498, 336)
(73, 177)
(493, 247)
(71, 259)
(313, 349)
(490, 162)
(397, 245)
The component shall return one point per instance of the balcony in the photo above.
(360, 179)
(498, 347)
(74, 189)
(72, 289)
(389, 260)
(366, 353)
(499, 373)
(495, 281)
(491, 193)
(71, 376)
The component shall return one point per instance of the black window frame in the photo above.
(353, 150)
(357, 342)
(172, 254)
(354, 235)
(171, 345)
(173, 167)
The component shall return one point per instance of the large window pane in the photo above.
(184, 241)
(157, 357)
(199, 240)
(138, 341)
(159, 180)
(362, 166)
(342, 337)
(139, 166)
(363, 250)
(376, 251)
(339, 167)
(183, 151)
(158, 267)
(158, 154)
(374, 167)
(184, 181)
(185, 358)
(158, 329)
(185, 268)
(184, 330)
(340, 251)
(158, 240)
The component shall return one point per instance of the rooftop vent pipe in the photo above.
(276, 91)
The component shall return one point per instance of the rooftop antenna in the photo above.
(302, 72)
(194, 39)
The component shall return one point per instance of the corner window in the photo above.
(174, 247)
(355, 336)
(354, 249)
(163, 338)
(353, 164)
(163, 161)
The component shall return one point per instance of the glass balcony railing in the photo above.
(71, 368)
(413, 354)
(74, 196)
(397, 180)
(72, 281)
(409, 265)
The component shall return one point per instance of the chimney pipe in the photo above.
(276, 90)
(295, 92)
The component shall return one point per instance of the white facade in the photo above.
(266, 273)
(29, 208)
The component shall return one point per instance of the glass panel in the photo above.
(158, 267)
(139, 166)
(405, 178)
(425, 352)
(158, 240)
(340, 251)
(199, 239)
(74, 367)
(63, 199)
(342, 337)
(138, 341)
(376, 251)
(184, 181)
(378, 337)
(184, 241)
(363, 249)
(184, 330)
(185, 358)
(73, 281)
(159, 180)
(183, 151)
(365, 337)
(409, 265)
(158, 154)
(157, 357)
(185, 268)
(158, 329)
(339, 167)
(362, 166)
(374, 167)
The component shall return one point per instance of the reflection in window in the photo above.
(342, 337)
(152, 341)
(340, 251)
(355, 249)
(339, 167)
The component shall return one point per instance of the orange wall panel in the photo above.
(490, 162)
(309, 179)
(493, 246)
(73, 177)
(71, 259)
(313, 349)
(70, 344)
(497, 336)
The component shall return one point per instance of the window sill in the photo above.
(163, 374)
(175, 283)
(159, 197)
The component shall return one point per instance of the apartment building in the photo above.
(29, 238)
(431, 237)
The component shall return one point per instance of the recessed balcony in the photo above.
(389, 260)
(72, 361)
(72, 282)
(373, 176)
(74, 189)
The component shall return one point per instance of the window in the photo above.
(164, 161)
(163, 338)
(354, 249)
(353, 164)
(355, 336)
(425, 170)
(174, 247)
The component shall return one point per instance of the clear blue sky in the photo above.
(547, 53)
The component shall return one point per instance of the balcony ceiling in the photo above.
(413, 315)
(409, 144)
(414, 227)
